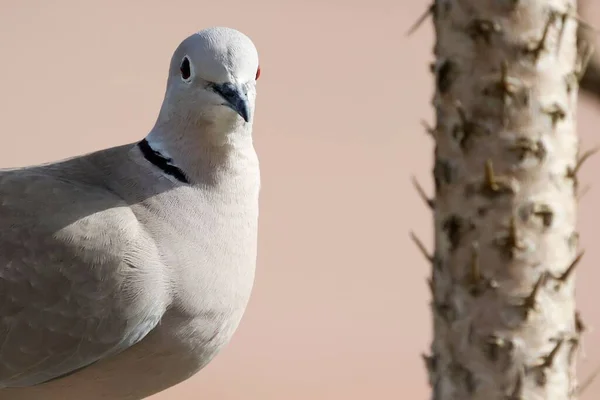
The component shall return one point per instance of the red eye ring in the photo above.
(257, 73)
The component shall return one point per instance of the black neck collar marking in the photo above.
(162, 162)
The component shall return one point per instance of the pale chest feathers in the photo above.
(208, 245)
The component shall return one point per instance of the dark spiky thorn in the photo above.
(475, 279)
(421, 247)
(490, 177)
(548, 360)
(476, 282)
(430, 362)
(431, 131)
(484, 29)
(556, 113)
(430, 202)
(430, 11)
(505, 88)
(572, 172)
(540, 46)
(494, 184)
(546, 363)
(562, 278)
(510, 242)
(530, 302)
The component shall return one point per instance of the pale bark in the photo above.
(505, 325)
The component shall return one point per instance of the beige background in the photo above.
(340, 303)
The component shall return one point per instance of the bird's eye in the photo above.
(257, 73)
(185, 69)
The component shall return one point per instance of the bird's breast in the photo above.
(209, 255)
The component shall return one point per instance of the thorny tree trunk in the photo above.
(505, 325)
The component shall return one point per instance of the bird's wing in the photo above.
(72, 283)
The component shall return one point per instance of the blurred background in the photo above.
(340, 306)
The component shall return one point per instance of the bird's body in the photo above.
(119, 277)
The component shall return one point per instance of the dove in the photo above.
(124, 271)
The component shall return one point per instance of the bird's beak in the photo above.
(235, 97)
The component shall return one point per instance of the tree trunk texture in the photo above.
(506, 159)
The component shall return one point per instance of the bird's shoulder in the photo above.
(73, 262)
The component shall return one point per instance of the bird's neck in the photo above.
(200, 153)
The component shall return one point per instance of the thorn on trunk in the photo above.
(562, 278)
(421, 247)
(547, 362)
(510, 242)
(430, 202)
(431, 131)
(530, 302)
(536, 48)
(572, 172)
(476, 282)
(430, 362)
(507, 88)
(430, 11)
(494, 185)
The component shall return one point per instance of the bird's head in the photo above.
(212, 78)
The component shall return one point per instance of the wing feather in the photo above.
(68, 293)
